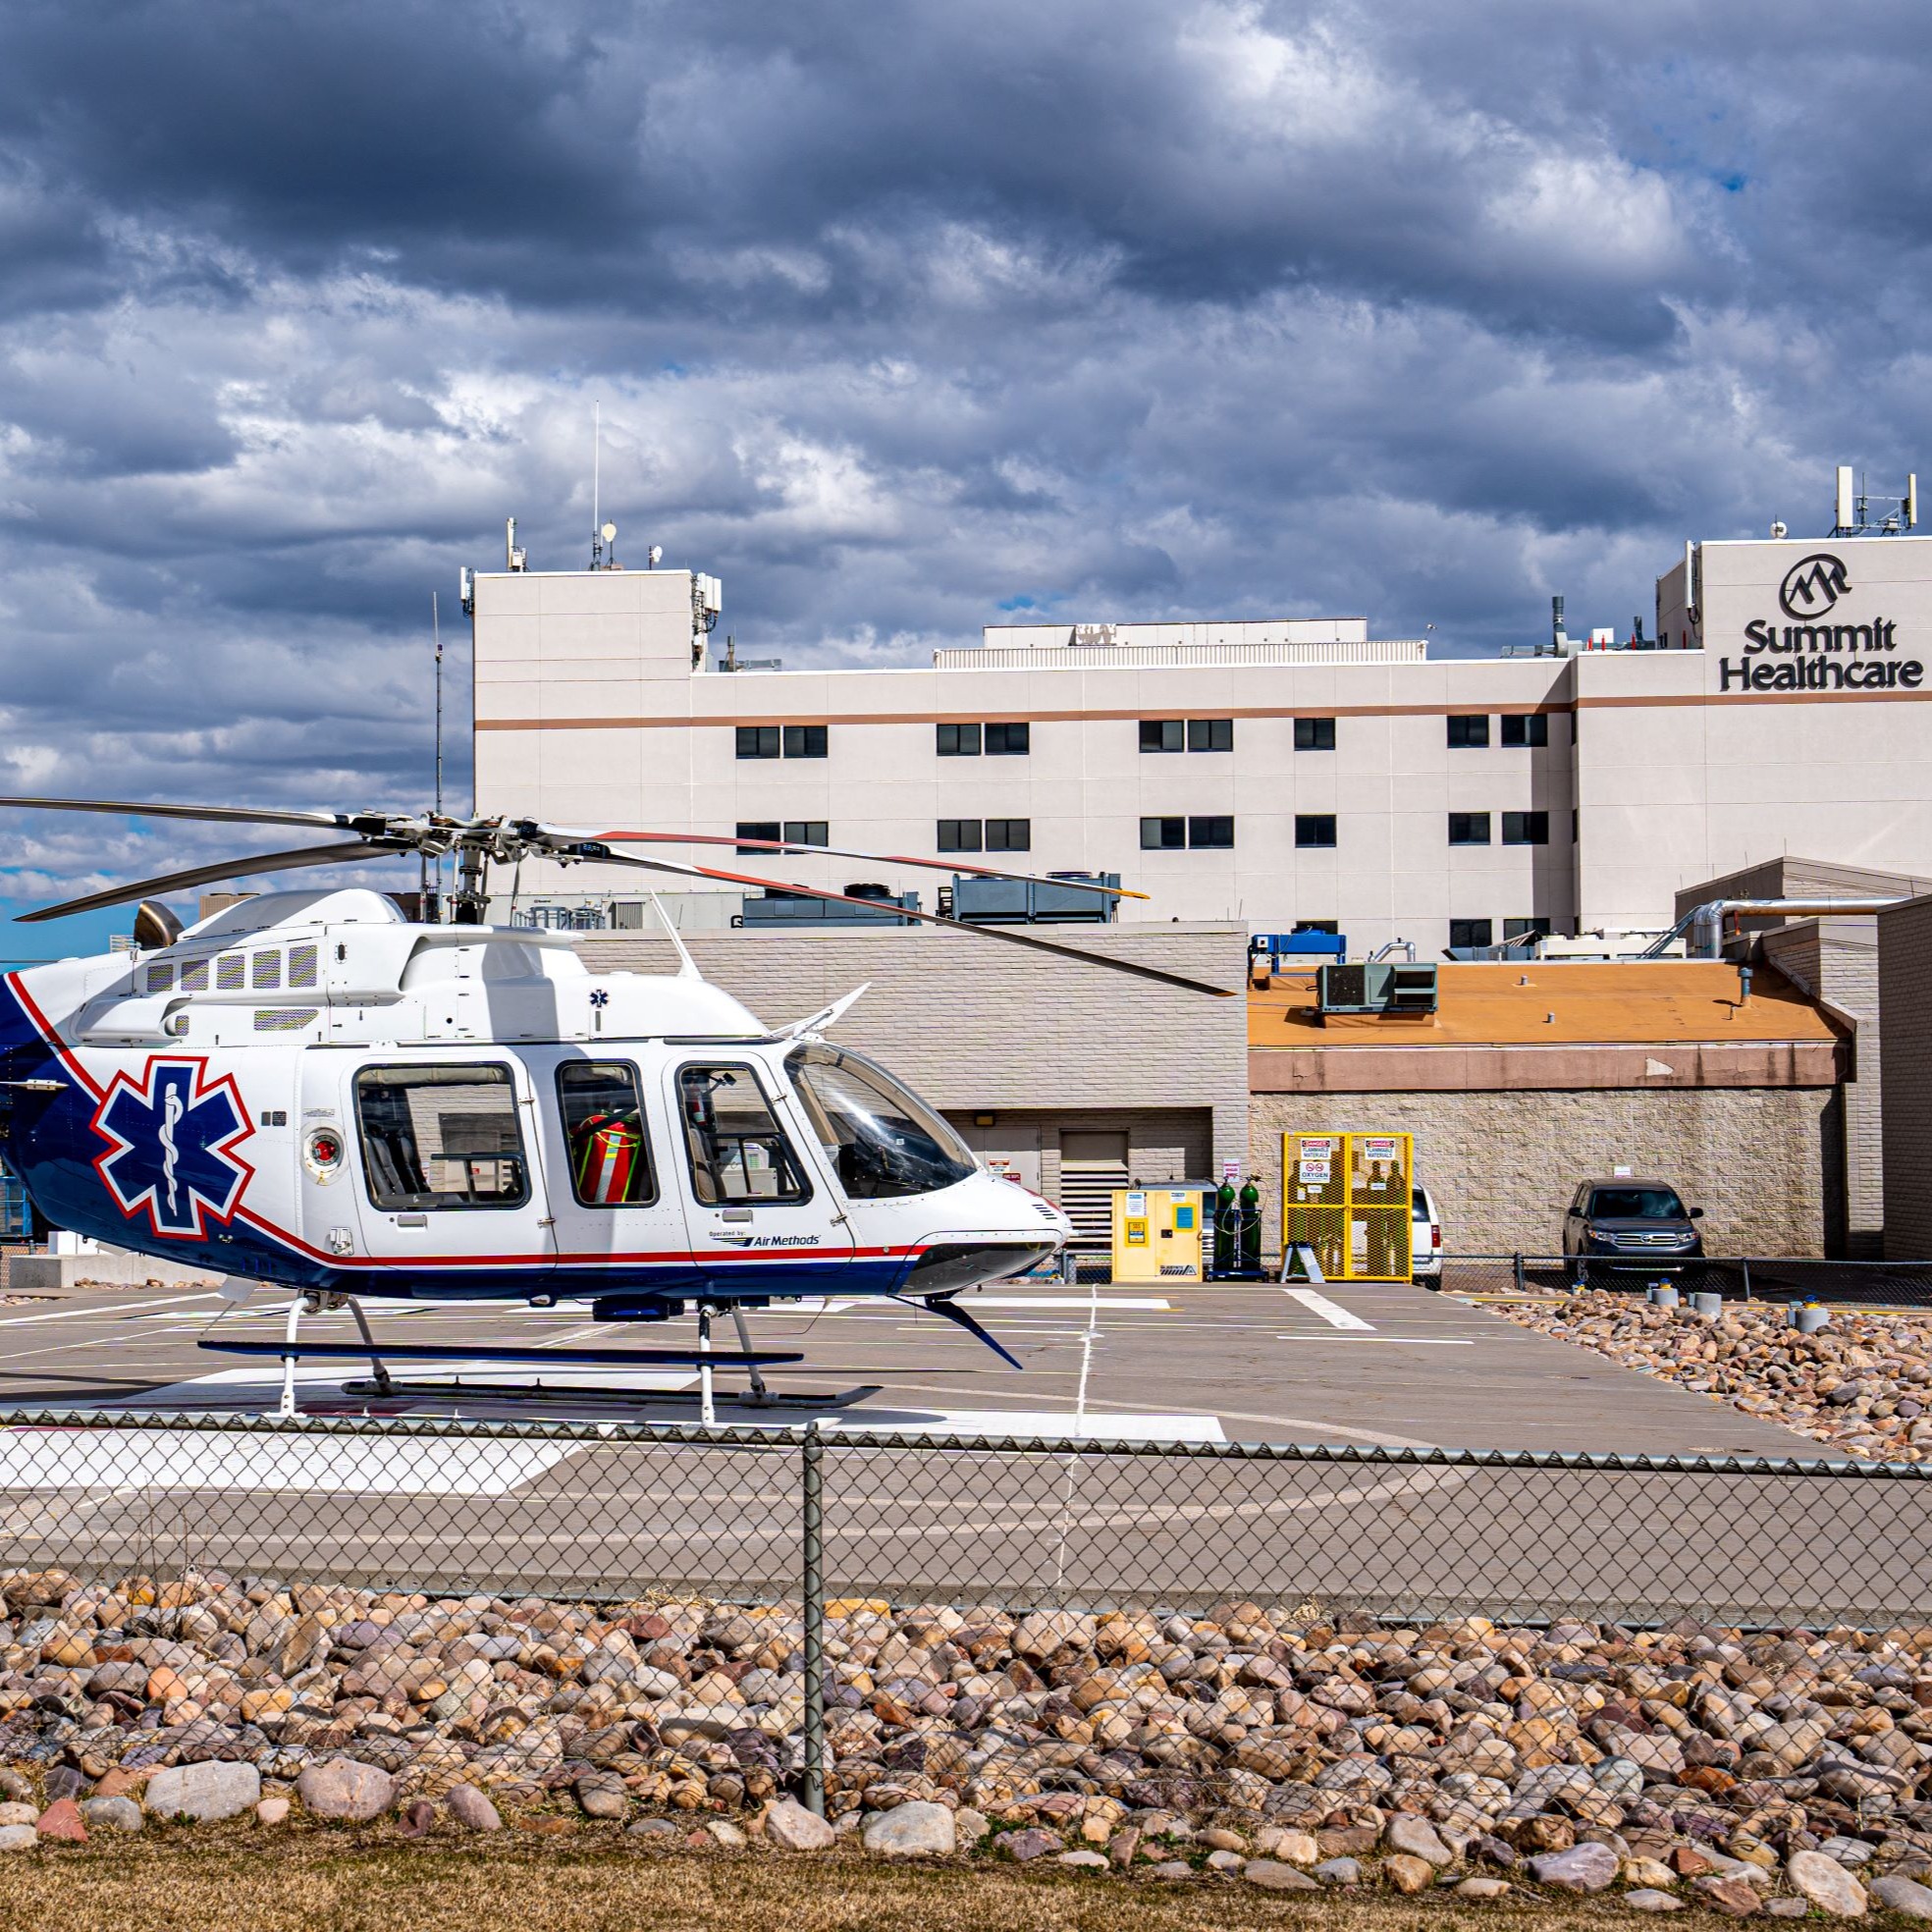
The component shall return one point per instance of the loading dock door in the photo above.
(1093, 1168)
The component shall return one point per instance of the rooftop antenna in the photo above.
(432, 895)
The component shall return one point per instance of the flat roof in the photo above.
(1552, 1003)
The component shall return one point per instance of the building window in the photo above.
(1531, 730)
(1465, 933)
(1576, 825)
(752, 828)
(1527, 929)
(959, 740)
(1164, 835)
(1212, 834)
(1526, 828)
(759, 741)
(1469, 828)
(1314, 734)
(1009, 834)
(1468, 733)
(959, 834)
(1315, 828)
(1008, 740)
(804, 741)
(1162, 734)
(807, 831)
(1211, 735)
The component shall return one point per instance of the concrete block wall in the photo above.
(1762, 1162)
(973, 1024)
(1905, 997)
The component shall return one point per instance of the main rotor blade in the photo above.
(847, 852)
(604, 856)
(206, 875)
(213, 814)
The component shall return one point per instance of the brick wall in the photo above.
(1905, 997)
(971, 1023)
(1760, 1161)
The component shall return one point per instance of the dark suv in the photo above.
(1631, 1224)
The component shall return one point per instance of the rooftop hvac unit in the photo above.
(1385, 989)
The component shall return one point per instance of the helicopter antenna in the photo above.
(687, 967)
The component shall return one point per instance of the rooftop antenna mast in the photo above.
(603, 536)
(432, 895)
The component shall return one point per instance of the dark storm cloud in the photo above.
(903, 319)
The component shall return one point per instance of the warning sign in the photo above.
(1378, 1147)
(1313, 1171)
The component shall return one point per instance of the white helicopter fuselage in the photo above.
(309, 1090)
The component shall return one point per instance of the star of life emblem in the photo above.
(171, 1137)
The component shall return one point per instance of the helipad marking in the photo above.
(213, 1459)
(1331, 1312)
(1155, 1303)
(1038, 1422)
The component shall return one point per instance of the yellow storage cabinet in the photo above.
(1156, 1234)
(1346, 1197)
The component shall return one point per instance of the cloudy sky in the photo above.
(904, 318)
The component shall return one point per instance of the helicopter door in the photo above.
(450, 1179)
(618, 1209)
(761, 1216)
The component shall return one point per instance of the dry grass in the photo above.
(235, 1879)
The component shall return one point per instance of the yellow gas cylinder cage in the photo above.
(1156, 1234)
(1346, 1197)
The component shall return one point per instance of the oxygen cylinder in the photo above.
(1251, 1228)
(1226, 1228)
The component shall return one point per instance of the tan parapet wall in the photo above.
(1762, 1162)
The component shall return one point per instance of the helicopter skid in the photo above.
(537, 1391)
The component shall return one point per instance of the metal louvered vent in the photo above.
(194, 975)
(283, 1019)
(267, 974)
(303, 967)
(228, 971)
(161, 977)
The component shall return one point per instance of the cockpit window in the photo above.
(739, 1155)
(884, 1139)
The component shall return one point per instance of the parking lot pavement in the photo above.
(1238, 1362)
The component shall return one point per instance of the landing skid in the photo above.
(765, 1398)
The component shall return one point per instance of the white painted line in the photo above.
(1037, 1423)
(1331, 1312)
(209, 1459)
(1402, 1341)
(1155, 1303)
(113, 1307)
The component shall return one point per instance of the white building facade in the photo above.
(1271, 773)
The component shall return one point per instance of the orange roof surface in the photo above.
(1541, 1002)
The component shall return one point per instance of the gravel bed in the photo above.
(1752, 1772)
(1863, 1384)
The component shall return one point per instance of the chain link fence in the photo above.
(701, 1618)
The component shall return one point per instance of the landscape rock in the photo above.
(272, 1812)
(1735, 1897)
(1647, 1898)
(1091, 1860)
(62, 1819)
(1481, 1888)
(1903, 1896)
(1339, 1871)
(112, 1813)
(917, 1830)
(207, 1793)
(17, 1837)
(468, 1807)
(1271, 1875)
(1023, 1846)
(1408, 1873)
(1416, 1836)
(1824, 1883)
(1580, 1868)
(345, 1790)
(789, 1824)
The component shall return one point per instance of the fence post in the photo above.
(1517, 1260)
(813, 1526)
(1743, 1262)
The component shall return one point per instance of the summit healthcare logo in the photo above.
(1812, 586)
(171, 1138)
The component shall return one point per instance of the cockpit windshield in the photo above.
(883, 1138)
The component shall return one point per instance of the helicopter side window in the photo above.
(604, 1130)
(441, 1137)
(739, 1155)
(881, 1136)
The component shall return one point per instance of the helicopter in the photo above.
(310, 1090)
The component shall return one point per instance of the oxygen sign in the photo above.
(1814, 651)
